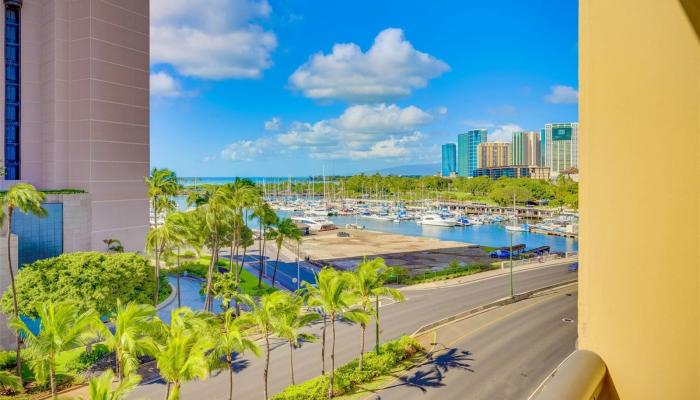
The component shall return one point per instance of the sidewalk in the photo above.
(489, 274)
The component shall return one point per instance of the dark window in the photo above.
(12, 92)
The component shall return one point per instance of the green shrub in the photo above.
(313, 389)
(93, 280)
(349, 376)
(8, 359)
(87, 359)
(188, 254)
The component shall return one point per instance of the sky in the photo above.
(296, 87)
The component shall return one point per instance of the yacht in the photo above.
(463, 221)
(315, 224)
(436, 220)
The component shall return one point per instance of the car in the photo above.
(573, 267)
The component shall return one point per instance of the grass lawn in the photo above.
(249, 282)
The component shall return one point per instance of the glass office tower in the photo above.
(449, 159)
(467, 147)
(561, 146)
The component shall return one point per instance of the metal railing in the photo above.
(581, 376)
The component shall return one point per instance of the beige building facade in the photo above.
(493, 154)
(77, 108)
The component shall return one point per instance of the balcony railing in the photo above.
(581, 376)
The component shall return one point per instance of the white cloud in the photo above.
(213, 39)
(162, 84)
(503, 133)
(273, 124)
(390, 68)
(442, 110)
(245, 150)
(362, 131)
(561, 94)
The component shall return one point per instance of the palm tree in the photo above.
(332, 294)
(176, 232)
(266, 218)
(27, 199)
(264, 316)
(161, 185)
(101, 387)
(289, 324)
(368, 283)
(213, 220)
(231, 339)
(285, 229)
(182, 356)
(63, 327)
(10, 381)
(134, 330)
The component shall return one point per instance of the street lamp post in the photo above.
(511, 264)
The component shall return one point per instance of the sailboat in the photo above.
(514, 227)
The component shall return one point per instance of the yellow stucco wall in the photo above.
(639, 303)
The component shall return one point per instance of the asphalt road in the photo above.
(420, 308)
(506, 357)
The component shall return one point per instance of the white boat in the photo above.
(517, 228)
(315, 223)
(436, 220)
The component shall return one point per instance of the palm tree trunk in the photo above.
(117, 367)
(210, 273)
(376, 321)
(167, 392)
(52, 378)
(267, 359)
(230, 261)
(291, 362)
(323, 346)
(14, 290)
(362, 345)
(175, 393)
(155, 226)
(260, 254)
(230, 376)
(277, 260)
(178, 277)
(330, 388)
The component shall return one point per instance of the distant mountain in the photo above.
(415, 169)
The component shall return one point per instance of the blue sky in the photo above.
(288, 87)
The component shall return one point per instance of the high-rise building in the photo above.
(76, 116)
(561, 146)
(526, 148)
(467, 151)
(493, 154)
(543, 147)
(449, 159)
(78, 75)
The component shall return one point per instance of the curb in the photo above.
(169, 300)
(516, 270)
(501, 302)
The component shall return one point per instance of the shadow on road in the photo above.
(430, 374)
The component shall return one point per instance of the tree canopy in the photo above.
(92, 280)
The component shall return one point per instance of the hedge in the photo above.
(93, 280)
(349, 376)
